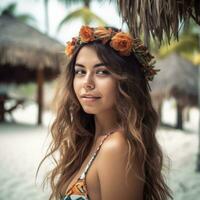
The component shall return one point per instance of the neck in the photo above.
(105, 122)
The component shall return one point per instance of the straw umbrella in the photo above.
(28, 55)
(158, 17)
(178, 78)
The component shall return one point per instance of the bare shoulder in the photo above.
(111, 169)
(116, 143)
(114, 150)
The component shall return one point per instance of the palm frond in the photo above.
(185, 45)
(72, 2)
(26, 18)
(10, 9)
(192, 57)
(84, 13)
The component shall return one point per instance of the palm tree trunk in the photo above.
(46, 2)
(198, 151)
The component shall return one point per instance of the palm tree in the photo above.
(84, 13)
(11, 10)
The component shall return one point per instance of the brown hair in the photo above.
(73, 129)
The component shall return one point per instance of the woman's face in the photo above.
(94, 85)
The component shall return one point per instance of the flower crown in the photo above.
(122, 42)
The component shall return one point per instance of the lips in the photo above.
(89, 98)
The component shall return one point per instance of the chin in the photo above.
(89, 111)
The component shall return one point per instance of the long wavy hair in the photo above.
(73, 130)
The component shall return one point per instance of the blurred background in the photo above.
(32, 40)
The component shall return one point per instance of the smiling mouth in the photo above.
(90, 99)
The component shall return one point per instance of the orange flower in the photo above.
(103, 34)
(123, 43)
(86, 34)
(69, 48)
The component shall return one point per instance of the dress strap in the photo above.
(93, 157)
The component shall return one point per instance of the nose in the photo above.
(89, 83)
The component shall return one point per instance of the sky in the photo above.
(57, 11)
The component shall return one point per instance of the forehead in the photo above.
(88, 55)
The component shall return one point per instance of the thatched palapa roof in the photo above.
(177, 78)
(23, 49)
(158, 18)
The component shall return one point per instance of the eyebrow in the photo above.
(96, 65)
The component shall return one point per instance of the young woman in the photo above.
(104, 131)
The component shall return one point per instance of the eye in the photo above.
(79, 71)
(103, 72)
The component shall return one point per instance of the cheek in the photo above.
(109, 92)
(76, 87)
